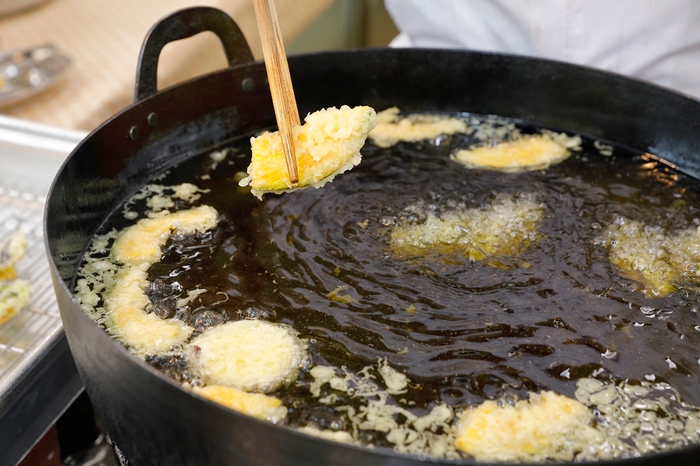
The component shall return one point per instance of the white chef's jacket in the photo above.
(653, 40)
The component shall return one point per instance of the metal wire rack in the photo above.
(29, 329)
(38, 379)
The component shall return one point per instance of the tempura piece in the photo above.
(15, 293)
(525, 153)
(661, 261)
(391, 128)
(141, 242)
(504, 227)
(327, 145)
(14, 296)
(250, 355)
(128, 320)
(339, 436)
(11, 251)
(257, 405)
(547, 426)
(137, 248)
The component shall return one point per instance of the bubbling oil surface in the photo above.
(462, 331)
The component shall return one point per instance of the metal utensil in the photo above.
(26, 72)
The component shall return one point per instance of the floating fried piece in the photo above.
(327, 145)
(660, 260)
(141, 243)
(251, 355)
(392, 128)
(144, 333)
(502, 228)
(137, 248)
(257, 405)
(525, 153)
(547, 426)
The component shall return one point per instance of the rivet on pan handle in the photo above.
(181, 25)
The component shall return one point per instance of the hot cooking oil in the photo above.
(551, 307)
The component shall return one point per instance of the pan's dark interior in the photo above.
(463, 331)
(150, 417)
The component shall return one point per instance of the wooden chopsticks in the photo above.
(281, 88)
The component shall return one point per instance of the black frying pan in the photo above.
(155, 422)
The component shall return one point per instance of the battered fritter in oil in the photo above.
(392, 127)
(135, 250)
(521, 153)
(546, 426)
(504, 227)
(660, 260)
(257, 405)
(251, 355)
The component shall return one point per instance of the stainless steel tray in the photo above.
(38, 379)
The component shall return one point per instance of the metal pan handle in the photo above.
(181, 25)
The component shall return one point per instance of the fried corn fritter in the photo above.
(326, 145)
(525, 153)
(547, 426)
